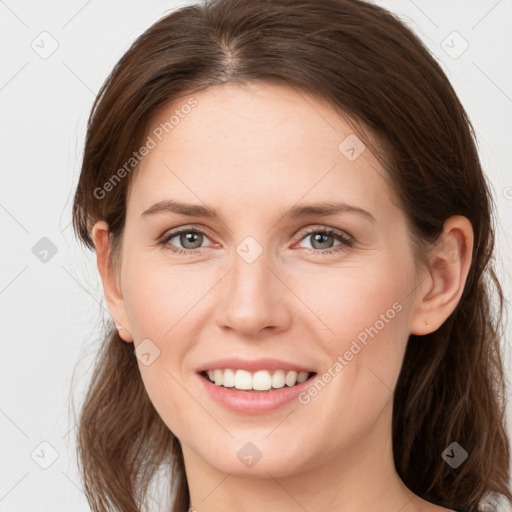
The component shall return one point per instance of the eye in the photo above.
(321, 240)
(191, 240)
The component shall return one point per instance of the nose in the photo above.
(254, 298)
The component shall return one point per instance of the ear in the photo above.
(111, 287)
(440, 291)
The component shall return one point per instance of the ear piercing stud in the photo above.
(118, 327)
(426, 323)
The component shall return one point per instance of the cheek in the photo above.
(367, 312)
(160, 307)
(160, 299)
(355, 301)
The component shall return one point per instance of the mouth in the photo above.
(261, 381)
(258, 392)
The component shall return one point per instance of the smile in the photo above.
(261, 380)
(242, 397)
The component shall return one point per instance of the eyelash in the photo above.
(346, 242)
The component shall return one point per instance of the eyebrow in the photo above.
(296, 212)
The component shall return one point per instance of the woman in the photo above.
(294, 236)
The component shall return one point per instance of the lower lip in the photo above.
(254, 403)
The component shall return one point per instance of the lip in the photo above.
(253, 365)
(254, 403)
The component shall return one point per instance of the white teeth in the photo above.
(228, 379)
(301, 377)
(218, 377)
(278, 379)
(291, 378)
(262, 380)
(243, 380)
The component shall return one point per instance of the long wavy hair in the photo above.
(371, 68)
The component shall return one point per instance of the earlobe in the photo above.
(111, 289)
(450, 261)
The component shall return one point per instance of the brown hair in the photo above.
(368, 65)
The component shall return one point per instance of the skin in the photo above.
(251, 152)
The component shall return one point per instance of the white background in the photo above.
(51, 311)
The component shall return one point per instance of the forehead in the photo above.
(251, 145)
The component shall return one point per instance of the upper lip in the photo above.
(253, 365)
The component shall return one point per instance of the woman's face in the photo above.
(258, 284)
